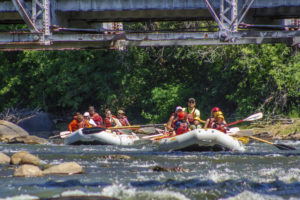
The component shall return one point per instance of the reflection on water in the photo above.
(262, 172)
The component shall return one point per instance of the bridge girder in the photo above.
(71, 41)
(45, 17)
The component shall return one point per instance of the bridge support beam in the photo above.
(30, 41)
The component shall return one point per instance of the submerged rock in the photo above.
(115, 157)
(28, 171)
(172, 169)
(24, 157)
(64, 168)
(4, 159)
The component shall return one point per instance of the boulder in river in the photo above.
(28, 171)
(4, 159)
(40, 125)
(24, 157)
(165, 169)
(64, 168)
(31, 139)
(8, 128)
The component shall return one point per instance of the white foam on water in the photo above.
(146, 164)
(79, 193)
(252, 196)
(218, 176)
(21, 197)
(292, 175)
(119, 191)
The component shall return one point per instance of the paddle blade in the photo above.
(253, 117)
(284, 147)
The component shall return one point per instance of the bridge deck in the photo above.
(75, 12)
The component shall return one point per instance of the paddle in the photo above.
(257, 116)
(253, 117)
(62, 134)
(279, 146)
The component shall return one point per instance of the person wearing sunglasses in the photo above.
(193, 113)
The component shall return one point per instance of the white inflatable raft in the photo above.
(199, 140)
(106, 137)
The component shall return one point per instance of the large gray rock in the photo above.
(64, 168)
(28, 171)
(8, 128)
(40, 125)
(4, 159)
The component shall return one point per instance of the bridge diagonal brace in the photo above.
(244, 11)
(20, 6)
(215, 16)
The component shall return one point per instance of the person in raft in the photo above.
(95, 116)
(193, 113)
(219, 122)
(122, 118)
(78, 123)
(196, 124)
(173, 119)
(87, 117)
(211, 119)
(110, 120)
(181, 125)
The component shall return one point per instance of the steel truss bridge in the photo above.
(97, 24)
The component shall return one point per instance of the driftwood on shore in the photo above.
(14, 115)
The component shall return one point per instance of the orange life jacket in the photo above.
(73, 125)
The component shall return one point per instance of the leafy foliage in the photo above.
(150, 82)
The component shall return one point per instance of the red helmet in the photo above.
(215, 109)
(181, 115)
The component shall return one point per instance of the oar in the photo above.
(279, 146)
(62, 134)
(253, 117)
(137, 126)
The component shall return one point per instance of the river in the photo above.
(261, 172)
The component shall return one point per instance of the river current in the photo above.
(261, 172)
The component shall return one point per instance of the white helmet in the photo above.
(86, 114)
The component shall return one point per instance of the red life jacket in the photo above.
(175, 119)
(108, 123)
(210, 122)
(190, 116)
(123, 120)
(97, 119)
(220, 127)
(182, 128)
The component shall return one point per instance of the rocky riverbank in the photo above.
(277, 129)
